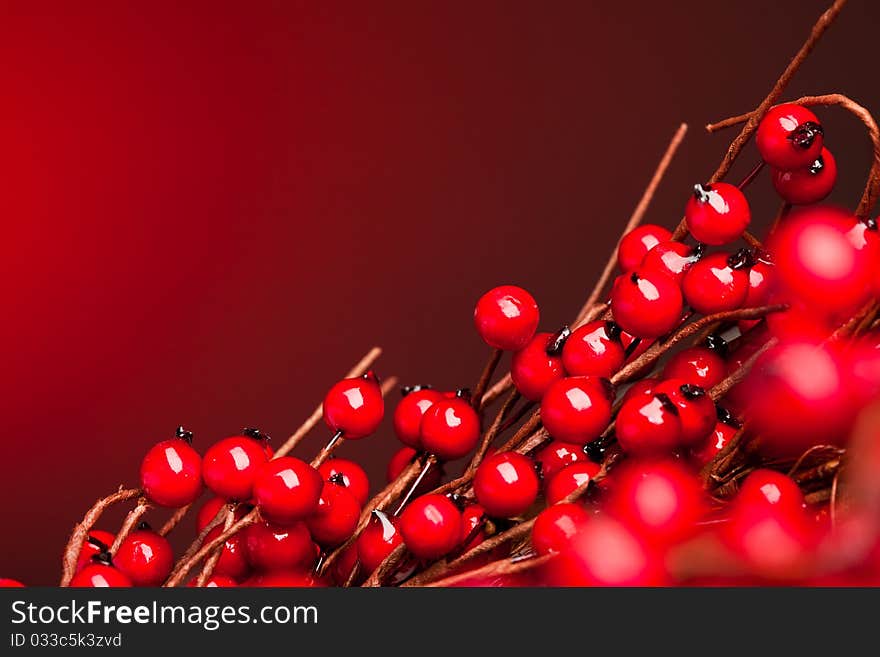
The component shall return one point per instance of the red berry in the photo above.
(450, 429)
(766, 488)
(717, 214)
(718, 282)
(473, 519)
(171, 473)
(640, 388)
(230, 466)
(506, 484)
(287, 490)
(349, 475)
(215, 582)
(594, 349)
(430, 526)
(724, 431)
(538, 365)
(506, 317)
(100, 575)
(648, 424)
(646, 303)
(556, 455)
(569, 479)
(297, 579)
(807, 185)
(789, 137)
(760, 283)
(405, 456)
(354, 407)
(671, 258)
(638, 242)
(409, 412)
(555, 527)
(6, 583)
(696, 410)
(98, 541)
(577, 409)
(233, 560)
(279, 547)
(335, 518)
(208, 512)
(377, 541)
(660, 501)
(145, 557)
(342, 568)
(698, 366)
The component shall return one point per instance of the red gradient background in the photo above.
(211, 210)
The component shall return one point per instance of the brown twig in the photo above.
(131, 520)
(501, 386)
(722, 388)
(384, 569)
(80, 532)
(493, 569)
(174, 520)
(485, 377)
(211, 561)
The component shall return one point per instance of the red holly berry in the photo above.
(287, 489)
(335, 518)
(354, 407)
(577, 409)
(349, 475)
(6, 583)
(171, 472)
(558, 454)
(377, 541)
(230, 466)
(538, 365)
(594, 349)
(145, 557)
(233, 560)
(408, 414)
(430, 526)
(555, 527)
(343, 567)
(717, 214)
(208, 512)
(473, 519)
(98, 541)
(724, 431)
(506, 317)
(640, 388)
(100, 575)
(789, 137)
(696, 410)
(638, 242)
(646, 303)
(569, 479)
(698, 366)
(450, 429)
(808, 185)
(765, 487)
(506, 484)
(648, 424)
(672, 259)
(279, 547)
(718, 282)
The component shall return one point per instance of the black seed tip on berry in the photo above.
(557, 342)
(463, 393)
(183, 434)
(692, 391)
(595, 450)
(726, 417)
(256, 434)
(870, 223)
(634, 277)
(103, 557)
(457, 500)
(405, 390)
(701, 192)
(98, 543)
(742, 259)
(805, 134)
(667, 403)
(817, 166)
(144, 526)
(613, 330)
(337, 478)
(716, 343)
(539, 470)
(631, 348)
(370, 375)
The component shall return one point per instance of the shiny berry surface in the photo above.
(409, 412)
(808, 185)
(671, 258)
(473, 520)
(717, 214)
(647, 425)
(355, 407)
(577, 409)
(430, 526)
(646, 303)
(145, 557)
(769, 488)
(97, 542)
(335, 517)
(287, 490)
(349, 475)
(789, 137)
(231, 465)
(171, 473)
(721, 434)
(699, 366)
(506, 317)
(377, 541)
(233, 560)
(593, 349)
(279, 547)
(208, 512)
(569, 479)
(99, 575)
(536, 367)
(715, 284)
(558, 454)
(506, 484)
(637, 243)
(450, 429)
(696, 410)
(555, 527)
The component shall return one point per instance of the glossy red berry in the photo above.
(6, 583)
(100, 575)
(658, 500)
(538, 365)
(279, 547)
(717, 214)
(430, 526)
(354, 407)
(577, 409)
(208, 512)
(145, 557)
(231, 465)
(724, 431)
(402, 459)
(506, 317)
(506, 484)
(98, 541)
(450, 429)
(287, 489)
(473, 520)
(233, 560)
(640, 388)
(648, 424)
(672, 258)
(594, 349)
(696, 410)
(335, 518)
(569, 479)
(698, 366)
(171, 472)
(409, 412)
(556, 455)
(638, 242)
(807, 185)
(789, 137)
(556, 526)
(377, 541)
(718, 282)
(765, 487)
(646, 303)
(349, 475)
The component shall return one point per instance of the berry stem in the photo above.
(174, 520)
(493, 569)
(131, 521)
(485, 377)
(412, 488)
(211, 561)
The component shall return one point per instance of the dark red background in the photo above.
(211, 211)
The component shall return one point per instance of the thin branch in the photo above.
(131, 520)
(175, 519)
(211, 562)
